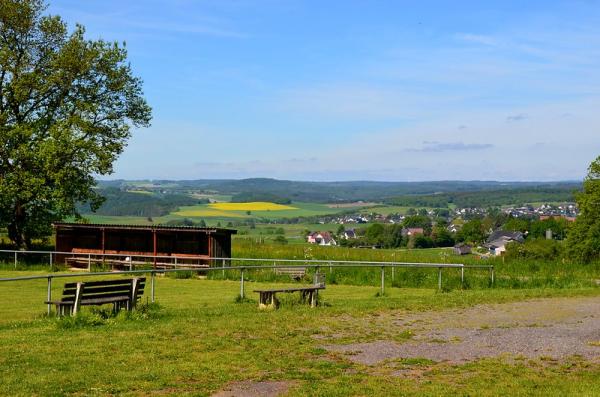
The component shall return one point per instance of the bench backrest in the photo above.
(133, 288)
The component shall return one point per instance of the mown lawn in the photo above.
(199, 339)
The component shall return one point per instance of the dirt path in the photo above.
(544, 328)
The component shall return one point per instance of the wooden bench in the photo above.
(295, 273)
(308, 294)
(122, 293)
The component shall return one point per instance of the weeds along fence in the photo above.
(243, 272)
(476, 274)
(512, 272)
(390, 274)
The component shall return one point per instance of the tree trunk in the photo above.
(16, 226)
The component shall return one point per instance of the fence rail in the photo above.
(274, 263)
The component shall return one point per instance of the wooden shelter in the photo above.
(154, 244)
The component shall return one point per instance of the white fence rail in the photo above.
(244, 264)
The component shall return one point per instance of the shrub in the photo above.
(535, 249)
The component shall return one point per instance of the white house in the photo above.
(321, 238)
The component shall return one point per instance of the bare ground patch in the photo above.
(543, 328)
(255, 389)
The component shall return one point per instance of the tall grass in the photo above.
(509, 273)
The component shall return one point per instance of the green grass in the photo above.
(198, 340)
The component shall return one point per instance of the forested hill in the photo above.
(121, 203)
(488, 198)
(327, 192)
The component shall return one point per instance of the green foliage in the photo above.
(420, 241)
(535, 249)
(442, 237)
(67, 105)
(558, 226)
(375, 234)
(472, 231)
(584, 236)
(417, 221)
(517, 225)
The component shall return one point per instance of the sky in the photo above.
(358, 90)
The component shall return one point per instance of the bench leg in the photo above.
(262, 300)
(267, 300)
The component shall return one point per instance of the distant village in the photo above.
(494, 245)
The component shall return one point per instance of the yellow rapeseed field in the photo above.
(252, 206)
(206, 212)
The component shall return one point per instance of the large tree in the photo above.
(583, 241)
(67, 106)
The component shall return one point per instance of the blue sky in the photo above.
(354, 90)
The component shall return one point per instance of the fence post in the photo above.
(49, 294)
(152, 286)
(492, 274)
(439, 278)
(330, 268)
(89, 263)
(16, 259)
(462, 276)
(223, 265)
(242, 285)
(51, 260)
(393, 272)
(382, 280)
(175, 262)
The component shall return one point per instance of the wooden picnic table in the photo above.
(308, 294)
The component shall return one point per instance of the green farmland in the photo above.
(213, 215)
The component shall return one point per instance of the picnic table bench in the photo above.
(308, 294)
(122, 293)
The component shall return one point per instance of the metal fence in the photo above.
(243, 265)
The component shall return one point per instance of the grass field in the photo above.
(251, 206)
(198, 340)
(207, 212)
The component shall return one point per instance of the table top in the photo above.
(308, 288)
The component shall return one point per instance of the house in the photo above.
(462, 249)
(349, 234)
(312, 238)
(321, 238)
(497, 241)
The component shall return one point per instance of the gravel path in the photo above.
(548, 328)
